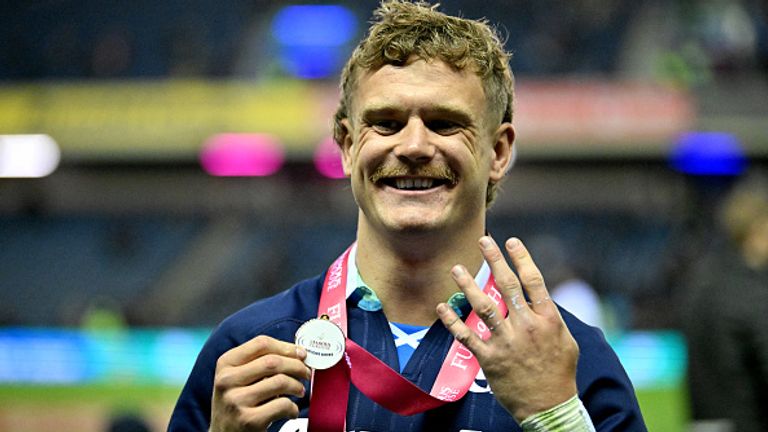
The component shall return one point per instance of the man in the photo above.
(725, 320)
(424, 126)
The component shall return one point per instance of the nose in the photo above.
(414, 144)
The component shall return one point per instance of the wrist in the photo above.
(541, 406)
(570, 416)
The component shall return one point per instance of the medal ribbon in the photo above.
(374, 378)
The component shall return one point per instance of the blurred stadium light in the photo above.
(242, 155)
(28, 155)
(311, 38)
(327, 159)
(708, 153)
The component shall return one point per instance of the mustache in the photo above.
(440, 172)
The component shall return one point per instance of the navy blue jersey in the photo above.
(603, 385)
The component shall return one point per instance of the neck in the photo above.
(410, 273)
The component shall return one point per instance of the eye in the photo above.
(386, 127)
(443, 127)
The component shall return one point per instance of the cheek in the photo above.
(370, 155)
(479, 160)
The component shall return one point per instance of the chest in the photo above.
(477, 411)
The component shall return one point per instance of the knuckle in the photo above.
(293, 385)
(485, 310)
(464, 336)
(506, 281)
(281, 381)
(247, 419)
(531, 329)
(230, 400)
(271, 362)
(300, 389)
(260, 343)
(221, 362)
(519, 253)
(291, 408)
(533, 278)
(223, 380)
(494, 255)
(286, 408)
(555, 321)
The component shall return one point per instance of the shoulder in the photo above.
(604, 387)
(591, 340)
(596, 357)
(278, 316)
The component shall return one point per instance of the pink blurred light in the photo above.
(328, 159)
(242, 155)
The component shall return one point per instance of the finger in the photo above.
(484, 306)
(258, 369)
(459, 330)
(530, 276)
(257, 347)
(267, 389)
(506, 280)
(277, 409)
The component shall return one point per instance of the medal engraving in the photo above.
(324, 342)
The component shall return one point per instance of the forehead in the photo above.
(420, 84)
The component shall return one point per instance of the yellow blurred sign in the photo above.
(164, 118)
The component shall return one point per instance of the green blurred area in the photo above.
(83, 408)
(118, 396)
(664, 409)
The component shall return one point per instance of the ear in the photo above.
(345, 142)
(503, 152)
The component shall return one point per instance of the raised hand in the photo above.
(530, 357)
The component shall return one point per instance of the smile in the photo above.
(412, 183)
(422, 179)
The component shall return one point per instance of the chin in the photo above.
(416, 224)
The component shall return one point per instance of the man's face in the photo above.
(419, 149)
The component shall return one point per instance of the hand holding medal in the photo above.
(530, 357)
(252, 383)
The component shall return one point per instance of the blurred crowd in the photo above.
(687, 42)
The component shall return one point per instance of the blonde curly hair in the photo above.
(401, 29)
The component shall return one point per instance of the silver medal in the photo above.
(324, 342)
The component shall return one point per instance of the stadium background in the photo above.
(117, 258)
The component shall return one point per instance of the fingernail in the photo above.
(457, 271)
(486, 243)
(301, 352)
(513, 243)
(441, 308)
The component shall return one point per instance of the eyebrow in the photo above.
(437, 110)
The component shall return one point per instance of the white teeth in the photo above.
(404, 183)
(409, 183)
